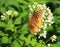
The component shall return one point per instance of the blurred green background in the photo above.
(16, 33)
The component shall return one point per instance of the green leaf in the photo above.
(58, 29)
(24, 28)
(38, 45)
(1, 3)
(2, 34)
(2, 9)
(33, 42)
(57, 19)
(57, 11)
(10, 26)
(27, 40)
(5, 39)
(42, 1)
(56, 45)
(21, 42)
(19, 19)
(2, 24)
(22, 37)
(49, 28)
(15, 44)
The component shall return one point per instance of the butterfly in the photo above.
(35, 22)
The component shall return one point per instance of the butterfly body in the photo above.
(35, 22)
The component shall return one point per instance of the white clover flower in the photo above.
(34, 6)
(49, 11)
(48, 45)
(47, 16)
(2, 17)
(52, 22)
(39, 6)
(53, 38)
(45, 26)
(30, 8)
(44, 6)
(43, 34)
(4, 14)
(35, 3)
(46, 13)
(15, 13)
(49, 24)
(35, 34)
(9, 12)
(39, 29)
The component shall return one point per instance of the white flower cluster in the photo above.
(47, 16)
(48, 45)
(53, 38)
(8, 13)
(43, 34)
(2, 17)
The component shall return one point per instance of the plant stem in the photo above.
(48, 40)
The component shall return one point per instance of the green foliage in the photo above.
(57, 11)
(15, 44)
(2, 24)
(14, 30)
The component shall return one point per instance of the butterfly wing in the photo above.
(35, 22)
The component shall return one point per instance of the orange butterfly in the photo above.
(35, 22)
